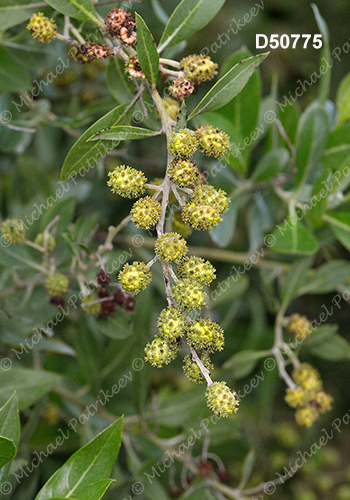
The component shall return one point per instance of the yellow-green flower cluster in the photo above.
(171, 323)
(170, 247)
(57, 285)
(42, 28)
(308, 397)
(145, 212)
(205, 334)
(89, 307)
(189, 294)
(198, 69)
(212, 141)
(172, 107)
(127, 181)
(204, 209)
(178, 226)
(13, 231)
(197, 269)
(221, 400)
(46, 240)
(135, 277)
(160, 352)
(182, 172)
(299, 326)
(192, 370)
(183, 144)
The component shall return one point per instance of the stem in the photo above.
(112, 232)
(203, 369)
(169, 62)
(276, 350)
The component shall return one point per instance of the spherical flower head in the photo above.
(46, 240)
(208, 195)
(179, 226)
(200, 217)
(306, 416)
(324, 401)
(192, 371)
(189, 294)
(88, 305)
(170, 247)
(145, 212)
(160, 352)
(57, 285)
(299, 326)
(42, 28)
(127, 182)
(205, 334)
(182, 172)
(133, 68)
(181, 88)
(307, 377)
(135, 277)
(221, 400)
(197, 269)
(171, 323)
(296, 397)
(212, 141)
(13, 231)
(183, 143)
(198, 69)
(172, 107)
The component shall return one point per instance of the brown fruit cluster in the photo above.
(120, 24)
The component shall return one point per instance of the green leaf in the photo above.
(340, 225)
(118, 85)
(325, 80)
(188, 17)
(294, 280)
(310, 141)
(320, 334)
(327, 277)
(294, 238)
(229, 85)
(335, 348)
(79, 9)
(7, 451)
(13, 12)
(13, 76)
(223, 233)
(9, 420)
(343, 100)
(243, 110)
(271, 164)
(94, 460)
(146, 50)
(84, 154)
(123, 133)
(95, 491)
(247, 468)
(243, 363)
(30, 385)
(338, 147)
(317, 203)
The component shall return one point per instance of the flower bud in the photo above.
(160, 352)
(46, 240)
(198, 69)
(170, 247)
(299, 326)
(127, 182)
(57, 285)
(205, 334)
(13, 231)
(183, 144)
(42, 28)
(212, 141)
(171, 323)
(197, 269)
(93, 309)
(135, 277)
(221, 400)
(200, 217)
(189, 294)
(146, 212)
(182, 172)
